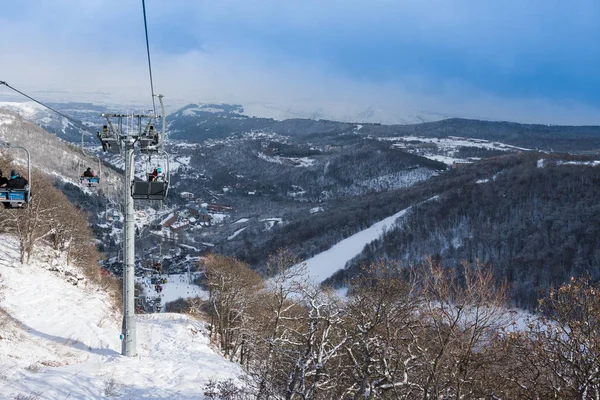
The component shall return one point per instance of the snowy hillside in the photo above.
(49, 153)
(59, 340)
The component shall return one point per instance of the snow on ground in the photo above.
(6, 119)
(183, 145)
(294, 161)
(178, 286)
(178, 162)
(26, 109)
(62, 342)
(541, 163)
(236, 233)
(588, 163)
(325, 264)
(316, 210)
(241, 221)
(271, 222)
(218, 218)
(444, 159)
(446, 147)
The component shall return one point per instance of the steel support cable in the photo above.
(75, 121)
(148, 52)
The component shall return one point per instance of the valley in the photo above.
(246, 187)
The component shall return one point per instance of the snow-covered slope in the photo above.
(325, 264)
(59, 341)
(49, 153)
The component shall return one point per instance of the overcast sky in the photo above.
(392, 60)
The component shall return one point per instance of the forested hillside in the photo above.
(534, 218)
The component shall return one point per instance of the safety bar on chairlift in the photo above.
(168, 176)
(9, 146)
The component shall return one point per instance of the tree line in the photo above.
(426, 332)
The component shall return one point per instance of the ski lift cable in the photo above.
(87, 155)
(148, 52)
(73, 120)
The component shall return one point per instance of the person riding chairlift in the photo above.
(88, 173)
(16, 181)
(153, 177)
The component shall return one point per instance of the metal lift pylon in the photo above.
(114, 139)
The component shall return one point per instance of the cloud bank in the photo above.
(380, 60)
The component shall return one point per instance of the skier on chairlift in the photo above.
(88, 173)
(153, 176)
(16, 181)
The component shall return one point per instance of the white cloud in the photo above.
(96, 52)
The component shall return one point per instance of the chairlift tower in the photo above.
(117, 140)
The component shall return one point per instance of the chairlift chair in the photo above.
(90, 181)
(115, 215)
(149, 141)
(17, 198)
(152, 190)
(110, 141)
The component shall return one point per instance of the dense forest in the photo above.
(534, 218)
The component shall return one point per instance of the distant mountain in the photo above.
(198, 122)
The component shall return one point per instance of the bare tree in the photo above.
(283, 292)
(566, 339)
(232, 287)
(33, 223)
(381, 319)
(315, 345)
(463, 313)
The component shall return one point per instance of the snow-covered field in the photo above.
(294, 161)
(60, 341)
(446, 148)
(541, 163)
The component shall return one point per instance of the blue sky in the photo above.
(394, 60)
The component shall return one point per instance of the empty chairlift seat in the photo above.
(149, 190)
